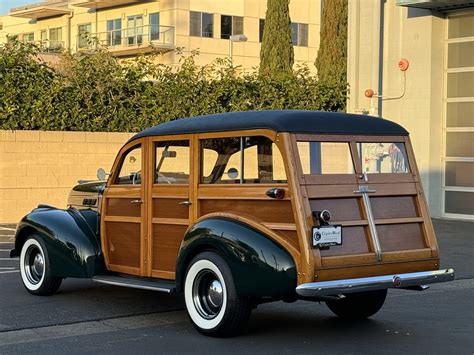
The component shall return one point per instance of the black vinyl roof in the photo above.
(292, 121)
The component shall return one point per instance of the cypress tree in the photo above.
(276, 54)
(331, 61)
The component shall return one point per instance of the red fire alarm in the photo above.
(403, 64)
(369, 93)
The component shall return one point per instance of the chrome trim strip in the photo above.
(336, 287)
(130, 285)
(372, 227)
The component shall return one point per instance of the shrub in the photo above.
(94, 92)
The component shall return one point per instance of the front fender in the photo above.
(260, 267)
(70, 238)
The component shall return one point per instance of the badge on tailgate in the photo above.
(325, 236)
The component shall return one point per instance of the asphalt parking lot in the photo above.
(85, 317)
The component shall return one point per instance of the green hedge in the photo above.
(93, 92)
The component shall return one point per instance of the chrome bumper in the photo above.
(403, 281)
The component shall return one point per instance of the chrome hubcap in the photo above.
(34, 264)
(208, 294)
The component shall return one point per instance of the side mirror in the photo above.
(101, 174)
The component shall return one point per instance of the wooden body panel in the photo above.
(154, 229)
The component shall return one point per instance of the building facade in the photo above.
(417, 57)
(131, 27)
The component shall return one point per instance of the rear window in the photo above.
(383, 158)
(319, 158)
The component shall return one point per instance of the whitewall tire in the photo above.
(35, 268)
(212, 302)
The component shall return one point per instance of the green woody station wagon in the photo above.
(237, 209)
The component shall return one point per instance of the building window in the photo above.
(114, 32)
(135, 30)
(231, 25)
(83, 35)
(55, 38)
(201, 24)
(155, 26)
(261, 28)
(299, 34)
(28, 37)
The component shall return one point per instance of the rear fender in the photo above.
(70, 238)
(260, 267)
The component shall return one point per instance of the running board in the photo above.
(137, 282)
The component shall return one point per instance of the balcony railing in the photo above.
(130, 41)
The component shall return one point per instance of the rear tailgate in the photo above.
(386, 227)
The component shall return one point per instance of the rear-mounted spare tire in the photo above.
(358, 305)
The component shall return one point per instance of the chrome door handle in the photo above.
(136, 201)
(185, 203)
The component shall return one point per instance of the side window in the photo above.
(318, 158)
(130, 171)
(220, 160)
(172, 162)
(244, 160)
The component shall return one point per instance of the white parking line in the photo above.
(4, 249)
(6, 259)
(7, 268)
(9, 272)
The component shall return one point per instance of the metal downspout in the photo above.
(381, 56)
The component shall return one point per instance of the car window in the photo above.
(130, 170)
(241, 160)
(319, 158)
(172, 162)
(383, 158)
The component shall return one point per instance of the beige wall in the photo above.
(42, 167)
(418, 36)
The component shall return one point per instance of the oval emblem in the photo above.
(397, 281)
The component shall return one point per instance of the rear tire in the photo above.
(358, 305)
(35, 268)
(212, 302)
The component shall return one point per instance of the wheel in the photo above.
(212, 302)
(358, 305)
(35, 268)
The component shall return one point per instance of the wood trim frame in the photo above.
(422, 204)
(301, 208)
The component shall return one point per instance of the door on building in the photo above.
(135, 30)
(458, 179)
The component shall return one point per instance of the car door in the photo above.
(169, 201)
(123, 226)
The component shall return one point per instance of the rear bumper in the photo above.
(403, 281)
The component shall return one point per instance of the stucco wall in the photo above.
(417, 35)
(41, 167)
